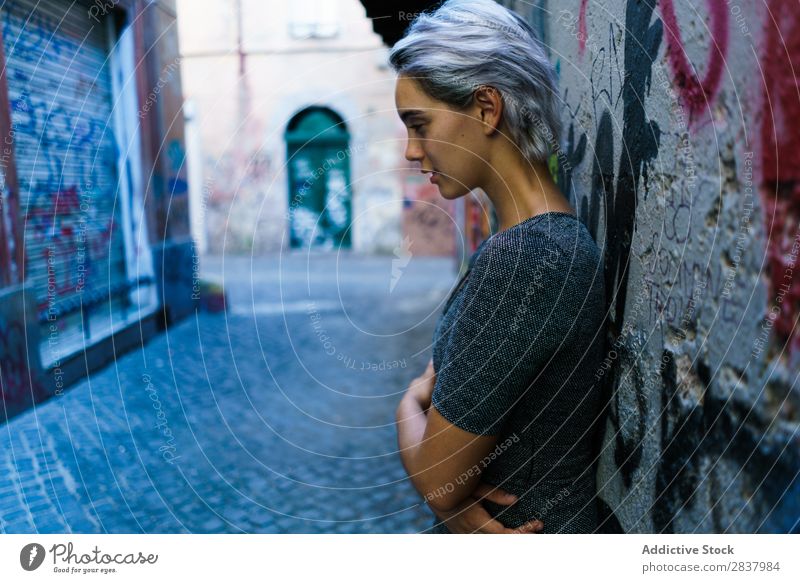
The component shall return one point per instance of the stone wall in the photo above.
(680, 153)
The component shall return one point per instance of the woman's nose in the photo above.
(413, 151)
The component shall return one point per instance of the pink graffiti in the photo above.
(68, 249)
(780, 163)
(695, 94)
(582, 28)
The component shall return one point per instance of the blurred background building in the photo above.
(94, 188)
(294, 141)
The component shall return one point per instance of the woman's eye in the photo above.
(417, 128)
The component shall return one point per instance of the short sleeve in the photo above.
(506, 329)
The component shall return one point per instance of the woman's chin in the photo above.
(451, 194)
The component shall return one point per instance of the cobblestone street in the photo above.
(274, 417)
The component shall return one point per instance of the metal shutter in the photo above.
(61, 110)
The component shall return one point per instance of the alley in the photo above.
(276, 416)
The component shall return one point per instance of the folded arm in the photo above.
(441, 459)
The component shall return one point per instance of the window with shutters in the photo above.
(314, 19)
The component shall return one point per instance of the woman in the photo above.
(497, 434)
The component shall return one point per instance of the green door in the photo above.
(319, 180)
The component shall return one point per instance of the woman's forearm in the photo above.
(411, 423)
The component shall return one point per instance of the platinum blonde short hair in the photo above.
(465, 44)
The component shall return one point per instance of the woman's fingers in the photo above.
(471, 517)
(475, 519)
(493, 494)
(485, 524)
(492, 526)
(429, 371)
(530, 527)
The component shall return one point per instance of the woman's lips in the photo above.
(434, 176)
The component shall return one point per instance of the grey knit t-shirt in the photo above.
(515, 352)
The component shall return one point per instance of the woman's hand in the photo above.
(471, 517)
(421, 388)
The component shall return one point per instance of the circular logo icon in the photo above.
(31, 556)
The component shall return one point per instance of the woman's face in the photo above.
(449, 144)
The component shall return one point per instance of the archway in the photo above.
(318, 157)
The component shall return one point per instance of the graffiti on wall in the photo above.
(697, 95)
(780, 165)
(20, 384)
(614, 191)
(64, 149)
(698, 430)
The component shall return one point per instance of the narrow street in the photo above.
(276, 416)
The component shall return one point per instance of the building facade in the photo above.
(297, 140)
(95, 244)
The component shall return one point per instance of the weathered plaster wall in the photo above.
(242, 117)
(681, 155)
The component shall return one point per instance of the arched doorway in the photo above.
(319, 180)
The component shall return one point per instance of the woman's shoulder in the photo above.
(533, 235)
(549, 238)
(550, 252)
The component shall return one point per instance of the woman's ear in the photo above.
(489, 102)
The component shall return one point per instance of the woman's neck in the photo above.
(521, 191)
